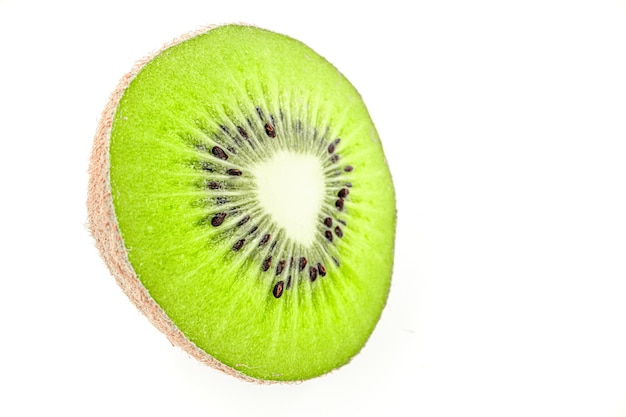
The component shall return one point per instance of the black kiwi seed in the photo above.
(218, 219)
(343, 193)
(348, 168)
(321, 269)
(265, 239)
(333, 145)
(267, 263)
(270, 131)
(329, 235)
(238, 245)
(338, 231)
(302, 264)
(328, 222)
(313, 273)
(278, 289)
(214, 185)
(242, 132)
(234, 172)
(334, 158)
(339, 204)
(280, 267)
(219, 152)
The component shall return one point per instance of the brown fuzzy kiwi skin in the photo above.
(103, 225)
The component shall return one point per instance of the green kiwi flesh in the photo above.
(251, 212)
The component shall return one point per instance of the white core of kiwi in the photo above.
(290, 188)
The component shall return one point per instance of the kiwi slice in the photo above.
(240, 196)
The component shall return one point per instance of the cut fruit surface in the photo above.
(251, 200)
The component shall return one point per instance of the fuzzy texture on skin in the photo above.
(105, 231)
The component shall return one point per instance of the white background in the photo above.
(504, 124)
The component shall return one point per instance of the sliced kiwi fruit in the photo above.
(240, 196)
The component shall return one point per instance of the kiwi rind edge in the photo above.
(103, 225)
